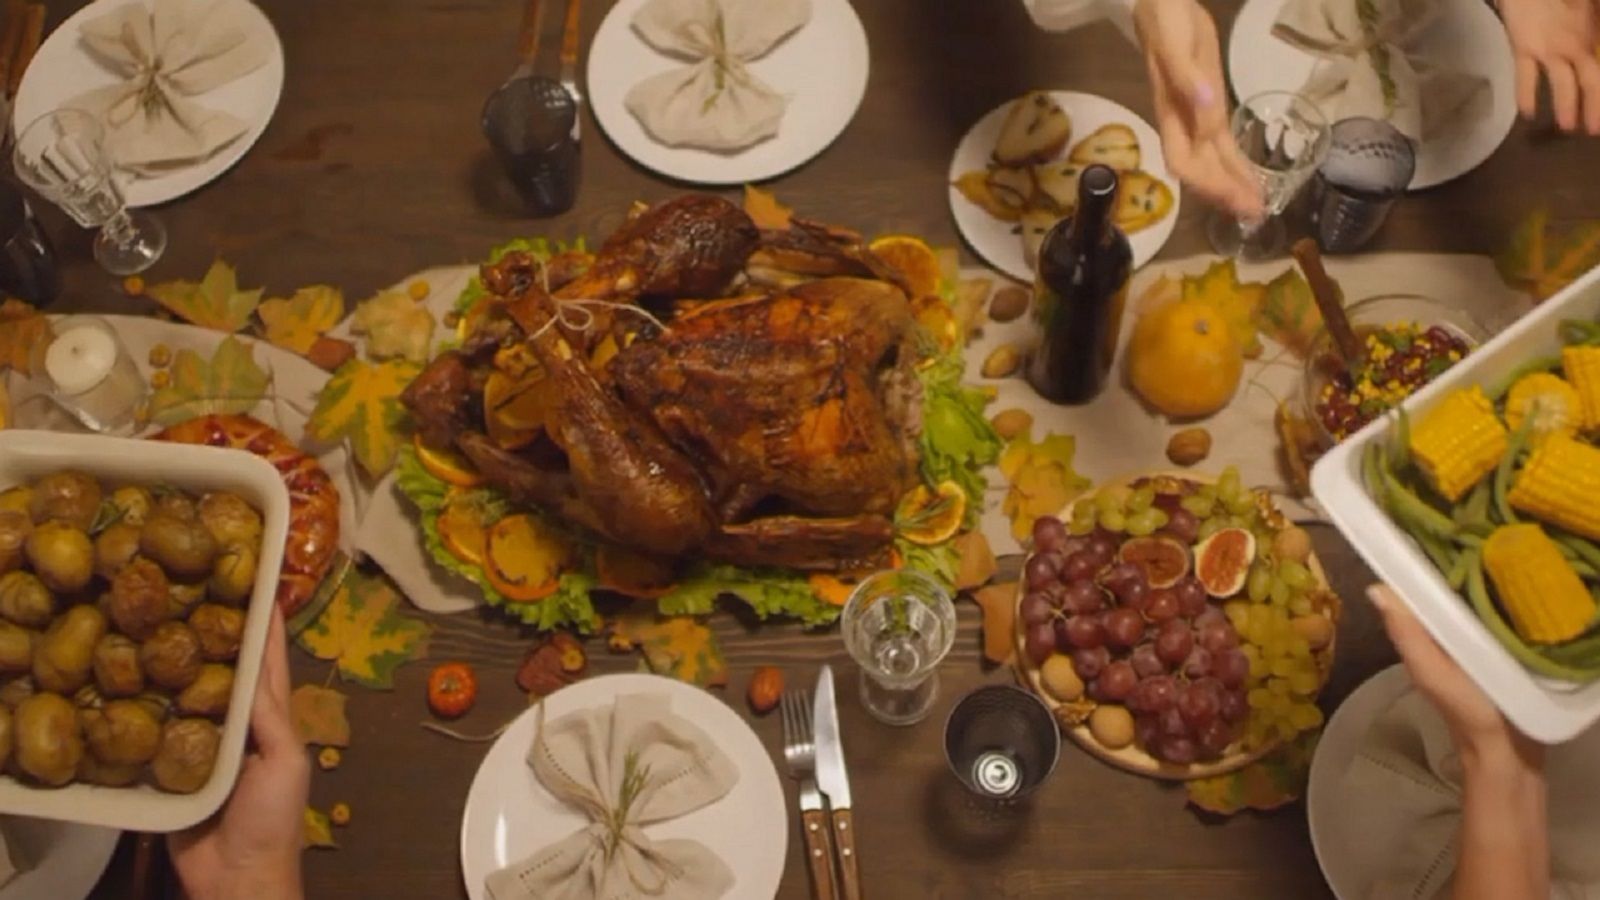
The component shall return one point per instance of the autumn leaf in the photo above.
(215, 302)
(294, 323)
(1162, 291)
(1042, 480)
(319, 716)
(1542, 259)
(229, 382)
(764, 209)
(316, 830)
(1220, 288)
(1274, 780)
(999, 605)
(1289, 313)
(681, 647)
(396, 326)
(22, 331)
(975, 563)
(361, 402)
(365, 633)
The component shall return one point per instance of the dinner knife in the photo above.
(835, 782)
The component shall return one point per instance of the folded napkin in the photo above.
(1400, 806)
(167, 55)
(715, 103)
(1369, 63)
(624, 766)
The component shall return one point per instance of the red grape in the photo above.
(1090, 662)
(1083, 597)
(1198, 663)
(1121, 575)
(1073, 544)
(1214, 738)
(1117, 681)
(1157, 694)
(1146, 662)
(1123, 627)
(1183, 525)
(1168, 503)
(1039, 641)
(1197, 704)
(1208, 615)
(1233, 707)
(1218, 637)
(1174, 643)
(1147, 732)
(1048, 534)
(1231, 667)
(1104, 546)
(1172, 724)
(1136, 594)
(1084, 632)
(1161, 605)
(1191, 597)
(1041, 570)
(1079, 566)
(1179, 750)
(1037, 608)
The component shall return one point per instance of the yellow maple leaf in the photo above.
(764, 209)
(319, 716)
(1274, 780)
(364, 632)
(22, 331)
(1288, 313)
(361, 403)
(678, 646)
(316, 830)
(396, 326)
(229, 382)
(1042, 480)
(1220, 288)
(213, 302)
(1542, 258)
(294, 323)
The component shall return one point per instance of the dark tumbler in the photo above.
(27, 261)
(1001, 742)
(532, 125)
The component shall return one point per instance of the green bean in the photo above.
(1502, 472)
(1457, 575)
(1578, 332)
(1583, 549)
(1475, 509)
(1537, 364)
(1418, 512)
(1478, 594)
(1400, 443)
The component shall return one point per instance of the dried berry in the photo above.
(328, 758)
(339, 814)
(1008, 303)
(766, 686)
(1011, 423)
(1002, 361)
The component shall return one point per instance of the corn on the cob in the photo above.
(1560, 484)
(1552, 404)
(1582, 368)
(1540, 592)
(1458, 442)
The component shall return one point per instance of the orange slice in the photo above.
(515, 409)
(525, 558)
(927, 516)
(473, 315)
(446, 465)
(913, 259)
(835, 590)
(462, 529)
(634, 574)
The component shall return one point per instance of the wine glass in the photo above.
(898, 625)
(1283, 137)
(63, 156)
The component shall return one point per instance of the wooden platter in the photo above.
(1133, 758)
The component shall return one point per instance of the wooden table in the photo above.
(374, 168)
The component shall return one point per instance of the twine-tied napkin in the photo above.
(167, 55)
(715, 102)
(625, 766)
(1400, 808)
(1370, 63)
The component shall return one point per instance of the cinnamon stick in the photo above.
(32, 33)
(1330, 301)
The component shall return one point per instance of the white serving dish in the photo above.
(1547, 710)
(25, 455)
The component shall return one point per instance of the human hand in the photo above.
(252, 848)
(1561, 37)
(1185, 65)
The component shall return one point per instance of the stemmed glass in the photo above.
(63, 156)
(1283, 137)
(898, 625)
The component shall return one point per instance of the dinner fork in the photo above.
(800, 752)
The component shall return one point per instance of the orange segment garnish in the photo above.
(515, 409)
(446, 465)
(525, 558)
(933, 516)
(462, 529)
(913, 259)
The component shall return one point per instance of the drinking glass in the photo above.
(1002, 743)
(1283, 137)
(532, 124)
(90, 375)
(898, 625)
(1368, 168)
(27, 261)
(63, 156)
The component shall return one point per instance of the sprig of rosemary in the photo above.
(634, 778)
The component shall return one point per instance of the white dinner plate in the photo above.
(1468, 37)
(510, 815)
(1000, 243)
(69, 859)
(63, 69)
(821, 68)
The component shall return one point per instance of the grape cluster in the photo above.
(1161, 649)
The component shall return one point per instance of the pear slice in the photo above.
(1111, 145)
(1011, 187)
(1058, 186)
(1142, 201)
(1035, 130)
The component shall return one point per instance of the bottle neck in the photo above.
(1097, 198)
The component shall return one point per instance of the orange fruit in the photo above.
(525, 558)
(931, 516)
(448, 466)
(515, 409)
(913, 259)
(461, 528)
(471, 317)
(1184, 360)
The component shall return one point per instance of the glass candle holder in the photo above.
(898, 625)
(91, 376)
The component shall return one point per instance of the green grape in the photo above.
(1259, 584)
(1240, 504)
(1080, 526)
(1258, 668)
(1114, 520)
(1141, 498)
(1198, 506)
(1105, 501)
(1208, 491)
(1210, 527)
(1228, 483)
(1286, 730)
(1258, 698)
(1296, 575)
(1300, 604)
(1160, 517)
(1280, 592)
(1238, 614)
(1282, 667)
(1299, 648)
(1303, 684)
(1260, 623)
(1140, 524)
(1304, 716)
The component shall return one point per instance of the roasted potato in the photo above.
(71, 498)
(15, 526)
(49, 742)
(114, 548)
(234, 574)
(132, 504)
(18, 499)
(93, 771)
(171, 657)
(122, 732)
(230, 520)
(184, 548)
(16, 649)
(219, 629)
(8, 736)
(183, 597)
(16, 690)
(173, 503)
(140, 599)
(64, 658)
(208, 696)
(187, 755)
(62, 556)
(117, 671)
(25, 601)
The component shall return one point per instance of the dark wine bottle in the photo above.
(1078, 295)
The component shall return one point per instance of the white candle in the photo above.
(80, 359)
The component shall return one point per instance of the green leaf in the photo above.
(1289, 314)
(768, 592)
(361, 403)
(956, 440)
(215, 302)
(364, 631)
(230, 382)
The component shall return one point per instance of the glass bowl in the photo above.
(1370, 315)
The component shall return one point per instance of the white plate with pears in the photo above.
(1015, 174)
